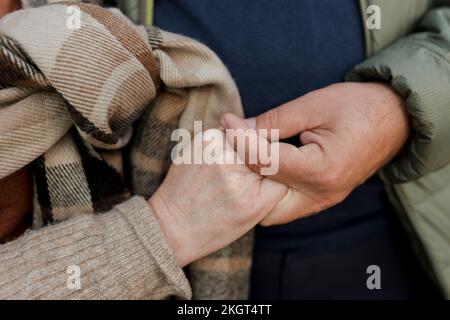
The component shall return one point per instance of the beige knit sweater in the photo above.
(121, 254)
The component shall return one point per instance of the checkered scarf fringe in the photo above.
(93, 109)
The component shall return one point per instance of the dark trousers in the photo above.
(339, 272)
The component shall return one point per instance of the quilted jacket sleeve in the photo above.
(418, 68)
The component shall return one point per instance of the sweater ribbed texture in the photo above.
(121, 254)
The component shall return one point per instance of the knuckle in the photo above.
(271, 119)
(256, 167)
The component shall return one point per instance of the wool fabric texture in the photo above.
(87, 107)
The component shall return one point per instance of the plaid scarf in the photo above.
(93, 109)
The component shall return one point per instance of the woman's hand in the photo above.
(203, 208)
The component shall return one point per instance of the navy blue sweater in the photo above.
(277, 51)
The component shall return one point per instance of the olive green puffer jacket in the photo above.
(411, 51)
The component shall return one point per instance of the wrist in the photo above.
(168, 223)
(397, 114)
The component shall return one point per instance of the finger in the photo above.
(293, 165)
(270, 194)
(290, 118)
(283, 162)
(251, 147)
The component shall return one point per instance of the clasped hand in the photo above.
(348, 131)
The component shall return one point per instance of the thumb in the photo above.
(285, 163)
(290, 118)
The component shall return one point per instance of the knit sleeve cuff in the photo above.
(138, 214)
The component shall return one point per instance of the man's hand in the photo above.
(348, 131)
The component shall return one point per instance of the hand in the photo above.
(203, 208)
(348, 131)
